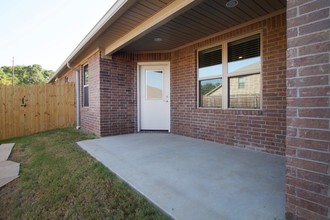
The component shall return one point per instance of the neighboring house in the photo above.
(144, 65)
(244, 93)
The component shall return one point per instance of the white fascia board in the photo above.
(105, 19)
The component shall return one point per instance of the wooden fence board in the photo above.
(47, 107)
(9, 105)
(70, 91)
(2, 110)
(42, 108)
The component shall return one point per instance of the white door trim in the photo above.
(138, 92)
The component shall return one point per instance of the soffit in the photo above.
(199, 19)
(139, 12)
(207, 18)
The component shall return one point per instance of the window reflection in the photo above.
(247, 96)
(210, 93)
(244, 55)
(154, 84)
(210, 63)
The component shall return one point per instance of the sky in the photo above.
(45, 32)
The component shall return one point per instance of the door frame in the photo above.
(138, 92)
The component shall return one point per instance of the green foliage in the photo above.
(32, 74)
(4, 79)
(208, 87)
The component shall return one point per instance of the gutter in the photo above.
(77, 94)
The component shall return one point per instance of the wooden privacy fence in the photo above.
(28, 109)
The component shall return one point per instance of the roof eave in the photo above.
(114, 12)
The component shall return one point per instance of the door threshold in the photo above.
(154, 131)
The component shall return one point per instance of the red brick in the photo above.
(307, 185)
(289, 151)
(312, 49)
(308, 102)
(307, 165)
(291, 53)
(308, 205)
(292, 132)
(291, 13)
(304, 214)
(317, 178)
(291, 112)
(308, 60)
(293, 32)
(291, 190)
(314, 155)
(315, 134)
(308, 18)
(291, 73)
(308, 123)
(315, 91)
(295, 3)
(315, 27)
(308, 39)
(322, 69)
(320, 199)
(309, 144)
(313, 6)
(314, 113)
(307, 81)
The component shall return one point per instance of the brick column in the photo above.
(308, 111)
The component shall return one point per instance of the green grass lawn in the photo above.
(58, 180)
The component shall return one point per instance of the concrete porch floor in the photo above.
(194, 179)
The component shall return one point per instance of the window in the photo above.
(210, 77)
(230, 79)
(85, 83)
(154, 85)
(66, 79)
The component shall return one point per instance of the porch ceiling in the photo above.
(206, 18)
(132, 25)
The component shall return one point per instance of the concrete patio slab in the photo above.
(195, 179)
(5, 150)
(4, 181)
(8, 171)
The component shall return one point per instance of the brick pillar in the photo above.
(308, 111)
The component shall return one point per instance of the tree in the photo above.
(31, 74)
(4, 79)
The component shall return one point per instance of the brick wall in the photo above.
(308, 111)
(118, 96)
(70, 75)
(90, 116)
(262, 130)
(118, 91)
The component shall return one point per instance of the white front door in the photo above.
(155, 97)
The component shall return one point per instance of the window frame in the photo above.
(85, 85)
(225, 75)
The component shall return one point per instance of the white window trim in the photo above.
(225, 76)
